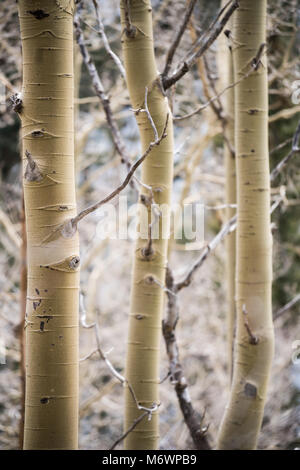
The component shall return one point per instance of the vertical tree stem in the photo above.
(226, 77)
(51, 403)
(142, 365)
(243, 416)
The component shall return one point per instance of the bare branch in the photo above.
(252, 338)
(286, 113)
(191, 417)
(146, 110)
(108, 49)
(126, 181)
(99, 89)
(286, 307)
(203, 44)
(129, 430)
(147, 411)
(129, 28)
(281, 145)
(295, 149)
(228, 87)
(177, 39)
(227, 228)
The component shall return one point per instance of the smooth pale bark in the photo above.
(244, 412)
(23, 300)
(51, 404)
(142, 365)
(226, 77)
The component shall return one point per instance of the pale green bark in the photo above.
(226, 77)
(51, 405)
(244, 412)
(142, 365)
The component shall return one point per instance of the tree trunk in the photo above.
(254, 344)
(226, 77)
(23, 300)
(51, 404)
(142, 366)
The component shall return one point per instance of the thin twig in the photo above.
(99, 90)
(126, 181)
(252, 338)
(191, 417)
(281, 145)
(295, 149)
(286, 307)
(108, 49)
(217, 96)
(146, 110)
(227, 228)
(129, 430)
(204, 43)
(129, 28)
(178, 37)
(147, 411)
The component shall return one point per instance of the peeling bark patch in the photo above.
(32, 172)
(38, 14)
(250, 390)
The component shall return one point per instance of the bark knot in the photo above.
(74, 262)
(17, 103)
(250, 390)
(44, 400)
(38, 14)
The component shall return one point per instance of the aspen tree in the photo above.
(46, 112)
(142, 365)
(226, 77)
(254, 343)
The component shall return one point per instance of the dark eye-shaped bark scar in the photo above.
(38, 14)
(250, 390)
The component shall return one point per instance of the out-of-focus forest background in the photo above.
(106, 264)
